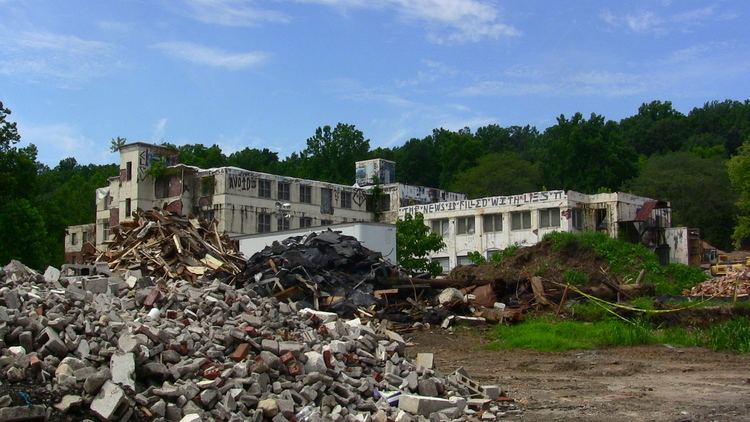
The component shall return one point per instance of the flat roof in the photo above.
(295, 232)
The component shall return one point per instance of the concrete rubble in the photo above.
(214, 352)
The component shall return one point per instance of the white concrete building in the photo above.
(491, 224)
(79, 240)
(244, 201)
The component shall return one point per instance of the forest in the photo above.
(699, 161)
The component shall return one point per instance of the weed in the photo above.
(731, 335)
(575, 277)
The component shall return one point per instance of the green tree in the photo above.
(23, 234)
(414, 243)
(254, 159)
(586, 155)
(697, 188)
(498, 174)
(739, 174)
(201, 156)
(656, 128)
(331, 153)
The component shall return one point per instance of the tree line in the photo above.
(695, 160)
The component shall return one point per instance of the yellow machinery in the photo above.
(723, 265)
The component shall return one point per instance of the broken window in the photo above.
(601, 218)
(129, 170)
(465, 225)
(264, 188)
(520, 220)
(305, 194)
(463, 260)
(440, 227)
(444, 263)
(346, 200)
(305, 222)
(549, 217)
(493, 223)
(282, 223)
(207, 185)
(264, 223)
(161, 187)
(127, 207)
(326, 201)
(577, 216)
(74, 239)
(283, 191)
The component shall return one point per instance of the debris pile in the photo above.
(329, 270)
(169, 246)
(215, 352)
(734, 283)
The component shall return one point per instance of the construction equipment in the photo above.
(722, 265)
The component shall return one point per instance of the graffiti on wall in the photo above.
(495, 201)
(243, 182)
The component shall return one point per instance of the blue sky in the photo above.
(267, 73)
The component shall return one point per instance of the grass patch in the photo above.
(547, 335)
(575, 277)
(626, 260)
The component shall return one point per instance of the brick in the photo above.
(241, 352)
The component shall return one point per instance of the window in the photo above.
(74, 239)
(305, 194)
(493, 223)
(264, 188)
(346, 200)
(326, 222)
(326, 201)
(84, 237)
(207, 185)
(578, 218)
(129, 170)
(440, 227)
(282, 223)
(283, 191)
(107, 201)
(463, 260)
(549, 217)
(264, 223)
(465, 225)
(305, 222)
(105, 231)
(520, 220)
(444, 264)
(127, 207)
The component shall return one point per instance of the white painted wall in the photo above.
(677, 239)
(378, 237)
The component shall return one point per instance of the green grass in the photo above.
(547, 335)
(626, 260)
(575, 277)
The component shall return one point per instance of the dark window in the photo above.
(440, 227)
(305, 194)
(74, 239)
(465, 225)
(346, 200)
(129, 170)
(578, 218)
(601, 218)
(520, 220)
(493, 223)
(326, 222)
(161, 187)
(207, 185)
(127, 207)
(105, 232)
(282, 223)
(326, 201)
(305, 222)
(283, 191)
(264, 188)
(549, 217)
(264, 223)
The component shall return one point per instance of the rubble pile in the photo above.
(329, 270)
(215, 352)
(169, 246)
(735, 283)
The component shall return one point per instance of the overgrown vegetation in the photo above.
(414, 242)
(626, 260)
(496, 256)
(545, 334)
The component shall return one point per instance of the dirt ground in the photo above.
(650, 383)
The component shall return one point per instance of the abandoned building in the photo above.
(79, 240)
(487, 225)
(248, 202)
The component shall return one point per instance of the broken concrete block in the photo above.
(425, 360)
(421, 405)
(110, 404)
(51, 275)
(491, 391)
(68, 402)
(122, 366)
(94, 382)
(315, 363)
(24, 413)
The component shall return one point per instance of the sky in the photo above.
(265, 74)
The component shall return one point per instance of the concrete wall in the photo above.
(378, 237)
(677, 239)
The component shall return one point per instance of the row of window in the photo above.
(519, 220)
(305, 193)
(264, 223)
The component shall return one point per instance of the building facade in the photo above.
(491, 224)
(79, 240)
(248, 202)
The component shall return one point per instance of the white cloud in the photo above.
(214, 57)
(43, 55)
(449, 21)
(61, 140)
(231, 12)
(350, 89)
(649, 21)
(159, 127)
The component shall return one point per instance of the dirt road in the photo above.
(653, 383)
